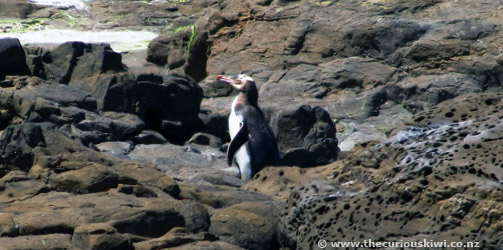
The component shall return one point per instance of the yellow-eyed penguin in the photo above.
(253, 144)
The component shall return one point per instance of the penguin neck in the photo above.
(244, 98)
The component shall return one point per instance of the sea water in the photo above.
(78, 4)
(119, 40)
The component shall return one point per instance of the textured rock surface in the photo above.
(409, 91)
(438, 180)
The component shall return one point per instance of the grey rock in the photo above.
(186, 163)
(116, 148)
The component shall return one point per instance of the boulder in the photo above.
(185, 47)
(100, 236)
(17, 185)
(214, 120)
(195, 67)
(87, 179)
(149, 137)
(150, 101)
(23, 101)
(73, 62)
(242, 226)
(96, 128)
(307, 135)
(118, 149)
(13, 56)
(16, 8)
(35, 56)
(17, 143)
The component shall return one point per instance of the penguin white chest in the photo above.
(242, 156)
(234, 120)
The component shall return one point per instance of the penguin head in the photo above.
(242, 84)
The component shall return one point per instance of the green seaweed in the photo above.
(191, 39)
(129, 47)
(25, 25)
(34, 24)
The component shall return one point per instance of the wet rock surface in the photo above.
(387, 114)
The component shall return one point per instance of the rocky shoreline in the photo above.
(387, 114)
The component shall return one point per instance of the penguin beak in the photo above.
(234, 83)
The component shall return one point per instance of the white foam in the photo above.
(119, 40)
(78, 4)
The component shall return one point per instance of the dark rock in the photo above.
(149, 137)
(73, 62)
(149, 77)
(63, 59)
(150, 101)
(171, 47)
(309, 133)
(355, 72)
(97, 58)
(195, 67)
(216, 88)
(184, 46)
(17, 143)
(97, 128)
(34, 59)
(124, 125)
(215, 122)
(22, 101)
(13, 57)
(427, 90)
(364, 37)
(158, 50)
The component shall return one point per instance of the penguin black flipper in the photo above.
(239, 140)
